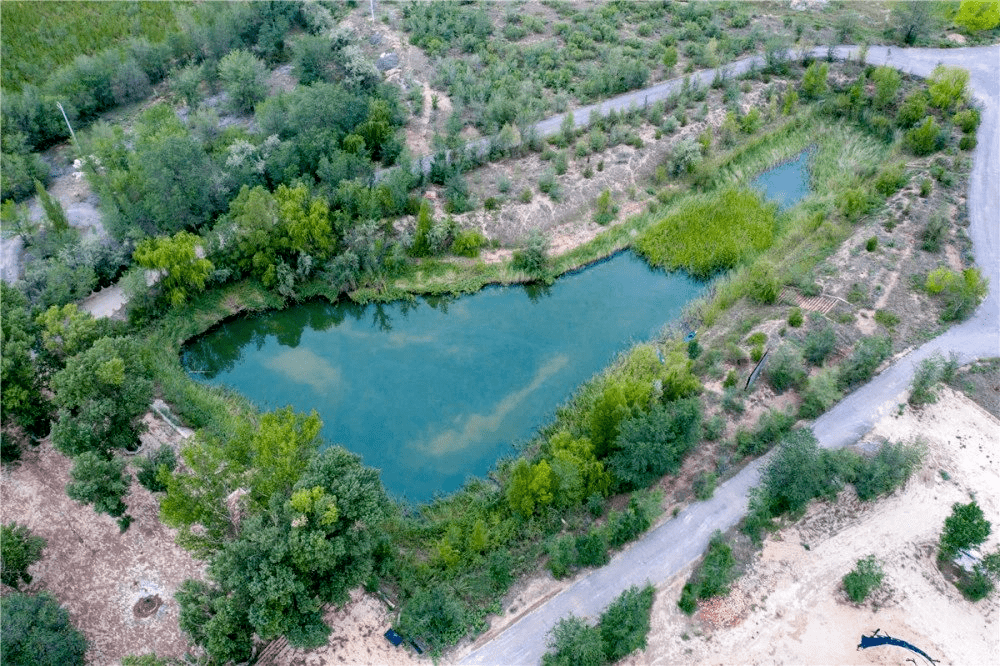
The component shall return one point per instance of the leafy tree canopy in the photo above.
(177, 258)
(19, 549)
(37, 632)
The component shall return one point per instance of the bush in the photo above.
(967, 120)
(961, 292)
(814, 83)
(591, 549)
(623, 526)
(887, 470)
(155, 467)
(625, 623)
(865, 577)
(763, 284)
(925, 138)
(533, 258)
(716, 570)
(819, 395)
(976, 16)
(913, 109)
(795, 317)
(933, 233)
(871, 244)
(37, 632)
(605, 209)
(868, 354)
(573, 642)
(785, 368)
(966, 527)
(468, 243)
(653, 444)
(890, 179)
(19, 549)
(967, 143)
(704, 485)
(980, 583)
(947, 87)
(925, 379)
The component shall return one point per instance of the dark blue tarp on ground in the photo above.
(393, 637)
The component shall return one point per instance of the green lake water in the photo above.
(433, 391)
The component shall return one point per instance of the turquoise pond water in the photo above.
(433, 391)
(786, 183)
(436, 390)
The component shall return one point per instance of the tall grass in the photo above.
(711, 232)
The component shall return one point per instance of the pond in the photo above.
(786, 183)
(435, 390)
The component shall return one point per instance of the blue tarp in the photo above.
(393, 637)
(875, 640)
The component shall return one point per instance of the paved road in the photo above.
(666, 550)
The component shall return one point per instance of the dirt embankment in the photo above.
(790, 608)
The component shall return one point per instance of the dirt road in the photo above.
(667, 549)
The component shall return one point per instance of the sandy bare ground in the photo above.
(98, 574)
(790, 608)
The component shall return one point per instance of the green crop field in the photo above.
(38, 37)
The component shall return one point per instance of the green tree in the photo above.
(947, 87)
(654, 443)
(579, 474)
(868, 354)
(961, 292)
(53, 210)
(213, 622)
(37, 632)
(434, 614)
(19, 549)
(964, 528)
(184, 272)
(887, 83)
(814, 79)
(258, 460)
(913, 20)
(99, 481)
(976, 16)
(670, 58)
(533, 258)
(23, 402)
(66, 331)
(573, 642)
(314, 58)
(625, 623)
(530, 487)
(244, 77)
(785, 368)
(101, 393)
(866, 576)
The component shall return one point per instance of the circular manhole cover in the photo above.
(147, 606)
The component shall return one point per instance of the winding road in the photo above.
(668, 548)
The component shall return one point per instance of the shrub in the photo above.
(795, 317)
(927, 375)
(933, 233)
(762, 283)
(573, 642)
(533, 258)
(623, 526)
(730, 380)
(468, 243)
(653, 444)
(871, 244)
(865, 577)
(961, 292)
(716, 571)
(625, 623)
(964, 528)
(562, 556)
(890, 179)
(605, 209)
(925, 187)
(785, 368)
(967, 120)
(592, 549)
(814, 80)
(19, 549)
(886, 318)
(912, 110)
(947, 87)
(925, 138)
(887, 470)
(149, 472)
(980, 583)
(704, 485)
(819, 395)
(37, 632)
(967, 143)
(868, 354)
(772, 426)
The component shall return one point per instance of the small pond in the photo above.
(786, 183)
(432, 391)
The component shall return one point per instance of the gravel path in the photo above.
(667, 549)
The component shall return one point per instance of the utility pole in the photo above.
(71, 132)
(372, 3)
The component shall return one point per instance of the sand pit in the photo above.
(790, 609)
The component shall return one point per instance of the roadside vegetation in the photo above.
(242, 199)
